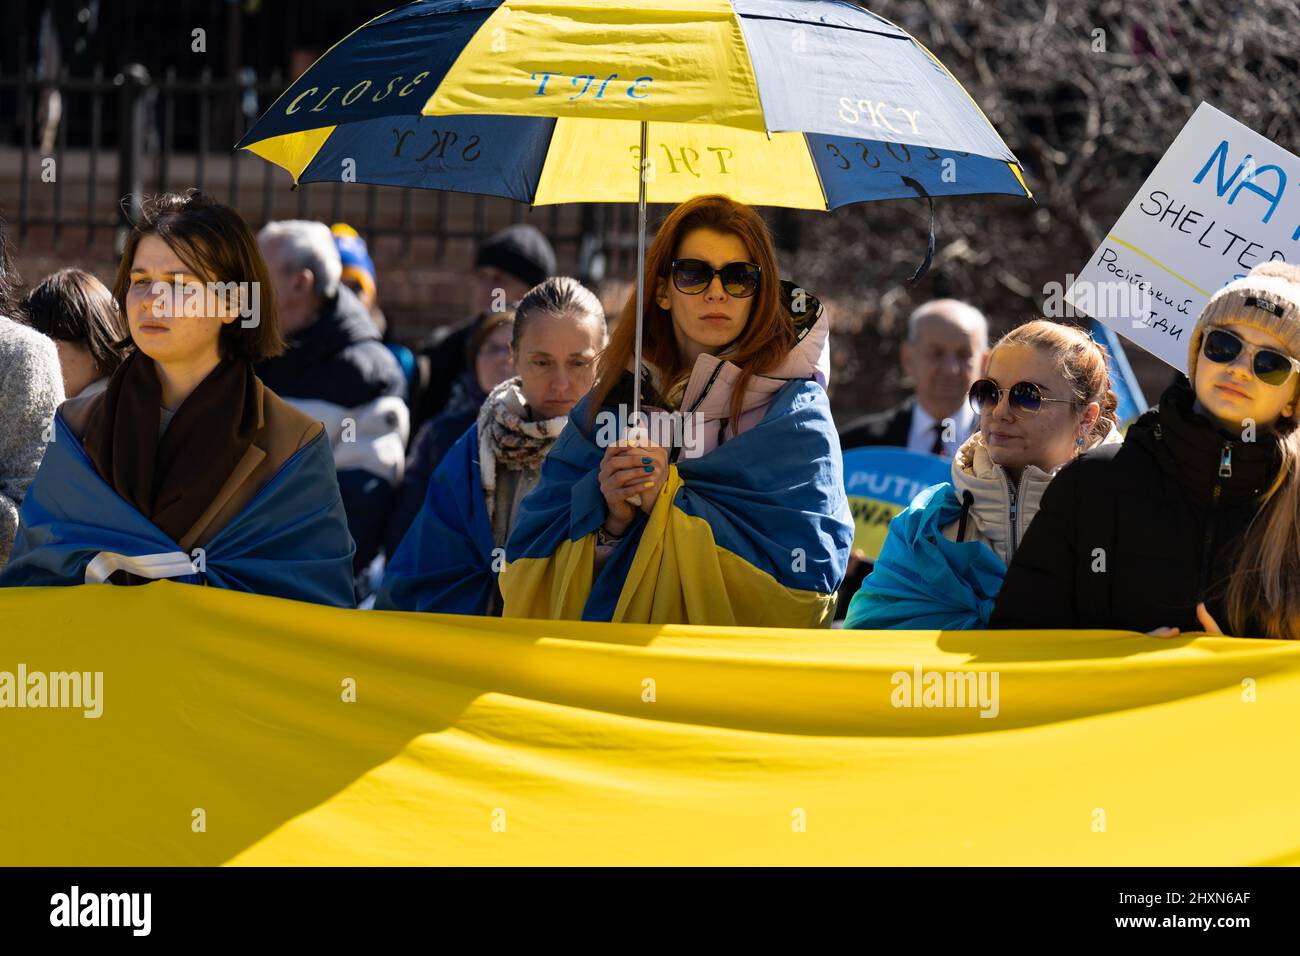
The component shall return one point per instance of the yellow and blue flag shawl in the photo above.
(446, 561)
(290, 541)
(756, 532)
(922, 580)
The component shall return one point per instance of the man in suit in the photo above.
(946, 347)
(947, 343)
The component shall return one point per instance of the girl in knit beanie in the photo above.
(1242, 361)
(1193, 524)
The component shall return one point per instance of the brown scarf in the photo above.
(172, 480)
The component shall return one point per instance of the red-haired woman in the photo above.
(735, 512)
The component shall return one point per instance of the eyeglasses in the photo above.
(1270, 367)
(1023, 396)
(693, 276)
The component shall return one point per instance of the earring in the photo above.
(1079, 441)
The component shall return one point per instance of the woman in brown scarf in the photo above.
(189, 437)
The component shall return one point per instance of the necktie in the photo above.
(937, 447)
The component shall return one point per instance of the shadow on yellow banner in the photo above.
(237, 729)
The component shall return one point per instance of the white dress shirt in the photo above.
(921, 435)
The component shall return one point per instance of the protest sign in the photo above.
(1221, 200)
(881, 482)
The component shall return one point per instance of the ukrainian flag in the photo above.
(758, 531)
(290, 541)
(447, 561)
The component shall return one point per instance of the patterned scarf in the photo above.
(508, 437)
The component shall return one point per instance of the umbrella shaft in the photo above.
(640, 276)
(635, 421)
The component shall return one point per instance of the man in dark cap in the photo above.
(508, 264)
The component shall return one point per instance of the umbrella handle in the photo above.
(635, 437)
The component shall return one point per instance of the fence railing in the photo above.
(111, 137)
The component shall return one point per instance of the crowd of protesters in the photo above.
(289, 447)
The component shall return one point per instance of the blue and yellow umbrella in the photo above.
(809, 105)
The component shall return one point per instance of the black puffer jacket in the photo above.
(339, 358)
(1134, 536)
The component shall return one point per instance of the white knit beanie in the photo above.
(1266, 298)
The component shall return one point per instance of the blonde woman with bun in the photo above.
(1044, 399)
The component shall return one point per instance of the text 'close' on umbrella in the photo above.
(795, 103)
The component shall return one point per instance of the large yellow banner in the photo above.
(175, 724)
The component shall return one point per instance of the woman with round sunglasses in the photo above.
(731, 508)
(1193, 524)
(1045, 399)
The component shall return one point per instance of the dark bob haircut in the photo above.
(216, 245)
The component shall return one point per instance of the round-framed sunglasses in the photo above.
(1270, 366)
(1023, 396)
(693, 276)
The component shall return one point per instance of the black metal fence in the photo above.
(111, 137)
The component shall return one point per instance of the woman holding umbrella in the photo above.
(738, 516)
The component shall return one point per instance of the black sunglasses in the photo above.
(693, 276)
(1023, 396)
(1269, 366)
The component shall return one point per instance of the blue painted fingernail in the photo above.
(649, 467)
(645, 461)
